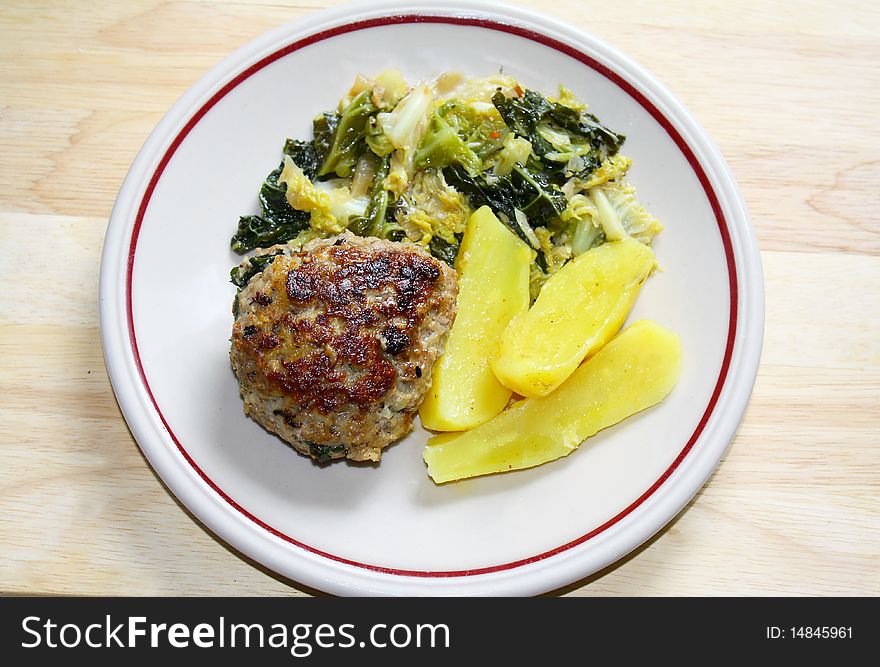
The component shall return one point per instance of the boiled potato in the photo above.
(636, 370)
(493, 269)
(578, 310)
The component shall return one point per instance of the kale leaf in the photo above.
(278, 221)
(240, 276)
(497, 193)
(587, 125)
(323, 453)
(339, 138)
(539, 198)
(304, 155)
(525, 188)
(324, 132)
(444, 250)
(522, 114)
(561, 136)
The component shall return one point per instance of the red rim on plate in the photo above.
(491, 25)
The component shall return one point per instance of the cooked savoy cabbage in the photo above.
(410, 163)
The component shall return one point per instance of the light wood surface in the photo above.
(788, 90)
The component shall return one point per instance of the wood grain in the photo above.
(790, 97)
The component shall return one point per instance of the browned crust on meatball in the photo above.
(334, 345)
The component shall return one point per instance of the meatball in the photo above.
(333, 345)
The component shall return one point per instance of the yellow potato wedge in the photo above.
(578, 310)
(493, 269)
(636, 370)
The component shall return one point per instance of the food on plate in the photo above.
(634, 371)
(578, 310)
(410, 163)
(348, 292)
(493, 268)
(333, 343)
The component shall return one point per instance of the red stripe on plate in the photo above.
(490, 25)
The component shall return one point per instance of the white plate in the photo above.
(166, 320)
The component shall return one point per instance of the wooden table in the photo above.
(788, 90)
